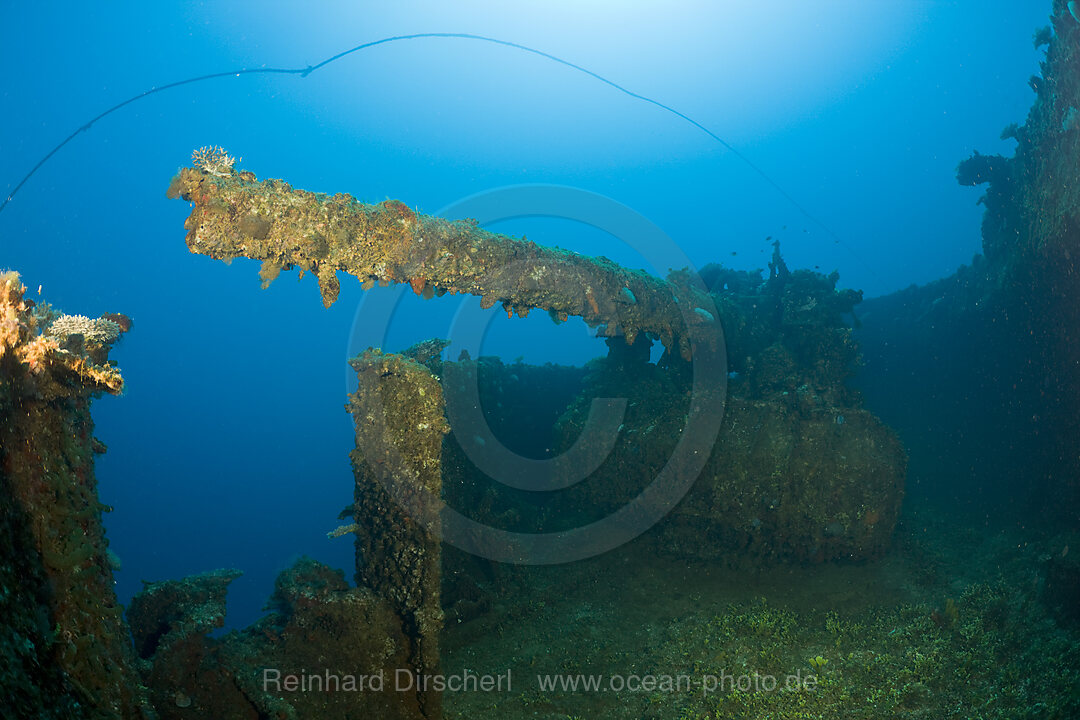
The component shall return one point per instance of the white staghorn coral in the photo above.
(214, 160)
(99, 330)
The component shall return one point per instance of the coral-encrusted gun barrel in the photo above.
(235, 215)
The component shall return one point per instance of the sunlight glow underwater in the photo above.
(304, 72)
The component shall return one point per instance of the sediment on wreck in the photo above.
(398, 411)
(65, 646)
(234, 215)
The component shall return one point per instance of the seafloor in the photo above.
(949, 624)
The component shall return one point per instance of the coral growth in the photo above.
(235, 216)
(100, 330)
(74, 658)
(214, 161)
(11, 305)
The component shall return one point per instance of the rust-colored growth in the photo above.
(398, 411)
(122, 321)
(238, 216)
(76, 654)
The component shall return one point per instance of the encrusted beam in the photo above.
(235, 215)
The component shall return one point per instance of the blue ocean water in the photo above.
(227, 449)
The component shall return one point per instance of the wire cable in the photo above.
(304, 72)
